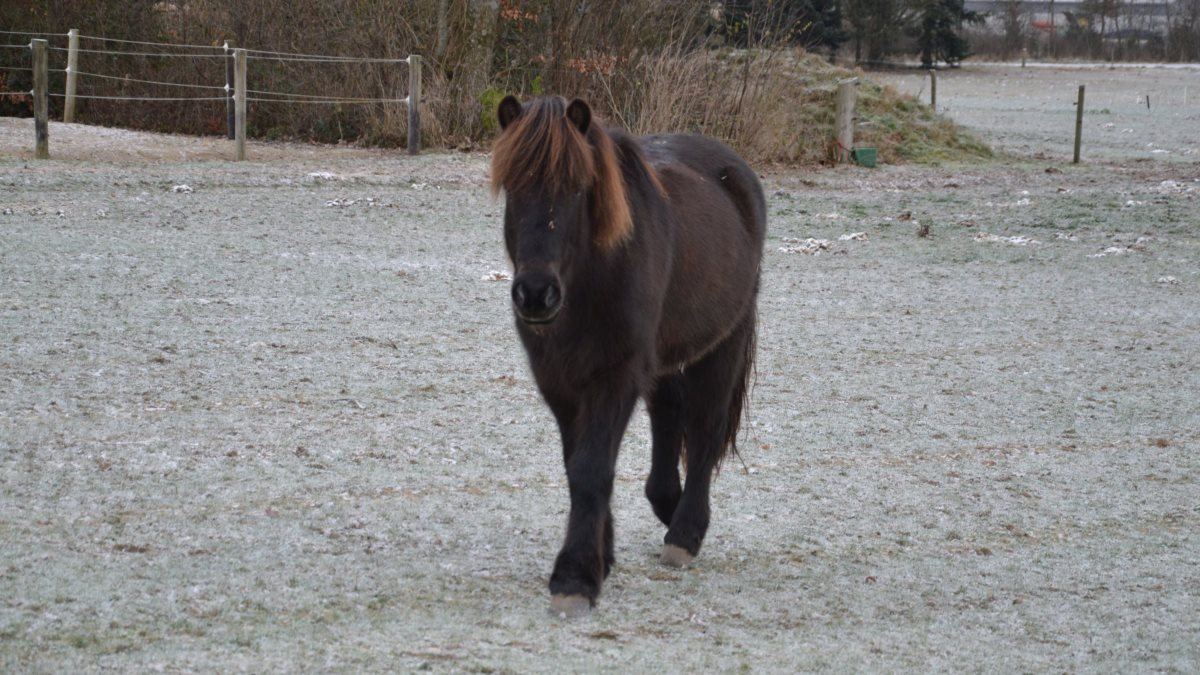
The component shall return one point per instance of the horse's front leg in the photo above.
(590, 448)
(566, 413)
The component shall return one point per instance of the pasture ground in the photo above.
(279, 421)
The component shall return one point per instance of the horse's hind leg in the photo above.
(712, 384)
(666, 407)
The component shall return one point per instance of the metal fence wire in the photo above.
(103, 84)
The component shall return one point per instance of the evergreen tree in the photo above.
(938, 22)
(874, 26)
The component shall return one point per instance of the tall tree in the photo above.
(1016, 25)
(809, 23)
(874, 26)
(1184, 36)
(939, 22)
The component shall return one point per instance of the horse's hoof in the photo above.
(570, 606)
(675, 556)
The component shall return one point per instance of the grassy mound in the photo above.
(904, 129)
(779, 106)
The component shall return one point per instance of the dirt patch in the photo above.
(282, 418)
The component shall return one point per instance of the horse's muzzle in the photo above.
(537, 297)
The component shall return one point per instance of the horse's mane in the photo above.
(543, 150)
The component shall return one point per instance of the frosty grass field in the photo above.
(272, 416)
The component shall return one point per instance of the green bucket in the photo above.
(864, 157)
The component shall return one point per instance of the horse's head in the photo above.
(564, 199)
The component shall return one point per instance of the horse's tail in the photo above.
(740, 397)
(742, 185)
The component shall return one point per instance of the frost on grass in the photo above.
(811, 246)
(1020, 202)
(1014, 240)
(807, 246)
(1138, 246)
(341, 202)
(1176, 187)
(1115, 250)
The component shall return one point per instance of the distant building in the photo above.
(1132, 19)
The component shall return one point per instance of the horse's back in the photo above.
(719, 224)
(712, 162)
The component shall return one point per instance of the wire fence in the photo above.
(172, 45)
(327, 102)
(260, 95)
(222, 52)
(263, 55)
(11, 94)
(204, 74)
(127, 79)
(35, 34)
(114, 52)
(141, 98)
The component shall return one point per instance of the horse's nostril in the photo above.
(537, 297)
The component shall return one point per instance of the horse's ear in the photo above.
(580, 115)
(509, 111)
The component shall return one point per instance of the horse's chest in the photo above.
(569, 358)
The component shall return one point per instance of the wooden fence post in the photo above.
(72, 74)
(845, 118)
(1078, 124)
(933, 89)
(41, 100)
(230, 102)
(414, 104)
(239, 95)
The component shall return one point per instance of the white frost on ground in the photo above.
(1016, 240)
(807, 246)
(1115, 250)
(342, 202)
(974, 458)
(1136, 247)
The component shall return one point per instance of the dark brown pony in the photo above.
(636, 276)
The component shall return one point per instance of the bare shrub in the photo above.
(772, 105)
